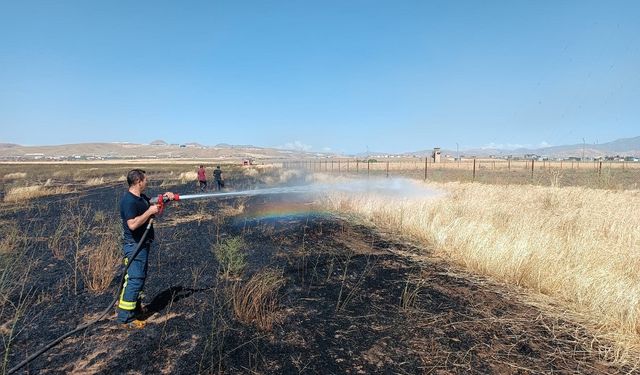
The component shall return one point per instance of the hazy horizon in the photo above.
(497, 147)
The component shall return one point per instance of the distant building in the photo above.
(435, 155)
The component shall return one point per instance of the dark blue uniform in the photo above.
(131, 207)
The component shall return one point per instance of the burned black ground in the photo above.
(355, 301)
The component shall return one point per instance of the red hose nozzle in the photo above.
(162, 200)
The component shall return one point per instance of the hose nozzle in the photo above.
(161, 200)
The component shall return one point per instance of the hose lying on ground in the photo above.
(85, 325)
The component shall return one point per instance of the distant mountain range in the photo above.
(159, 149)
(621, 147)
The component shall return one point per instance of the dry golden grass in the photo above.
(255, 302)
(185, 177)
(266, 167)
(10, 238)
(24, 193)
(250, 171)
(575, 244)
(95, 181)
(100, 262)
(173, 178)
(15, 176)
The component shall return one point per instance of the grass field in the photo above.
(572, 249)
(576, 244)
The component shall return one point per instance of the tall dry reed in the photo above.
(17, 194)
(578, 245)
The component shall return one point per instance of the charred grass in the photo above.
(317, 294)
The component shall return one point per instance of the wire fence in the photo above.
(598, 174)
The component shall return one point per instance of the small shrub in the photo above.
(255, 302)
(99, 262)
(58, 241)
(99, 217)
(230, 256)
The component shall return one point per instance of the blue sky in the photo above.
(344, 76)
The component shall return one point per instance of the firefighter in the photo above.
(217, 176)
(135, 211)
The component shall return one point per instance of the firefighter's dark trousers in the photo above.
(133, 282)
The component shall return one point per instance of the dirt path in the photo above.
(354, 302)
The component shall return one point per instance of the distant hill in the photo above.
(158, 149)
(621, 147)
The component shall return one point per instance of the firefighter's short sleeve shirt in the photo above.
(131, 207)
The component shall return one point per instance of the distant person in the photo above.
(202, 178)
(135, 211)
(217, 176)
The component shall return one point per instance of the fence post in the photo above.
(600, 169)
(426, 167)
(509, 164)
(368, 166)
(532, 163)
(474, 169)
(357, 166)
(331, 166)
(387, 168)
